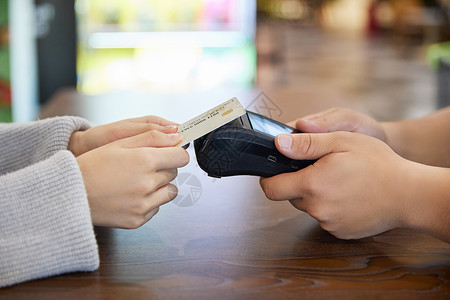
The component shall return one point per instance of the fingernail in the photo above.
(285, 141)
(169, 128)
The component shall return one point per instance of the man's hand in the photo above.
(127, 180)
(359, 186)
(354, 189)
(84, 141)
(340, 119)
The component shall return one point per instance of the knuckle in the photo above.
(139, 208)
(146, 158)
(151, 118)
(268, 190)
(184, 157)
(303, 143)
(134, 222)
(314, 212)
(152, 184)
(143, 186)
(151, 127)
(154, 134)
(142, 156)
(181, 156)
(318, 212)
(311, 187)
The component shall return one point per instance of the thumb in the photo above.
(307, 146)
(152, 138)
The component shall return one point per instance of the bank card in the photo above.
(210, 120)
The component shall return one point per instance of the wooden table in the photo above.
(223, 239)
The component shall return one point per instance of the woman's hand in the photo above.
(127, 180)
(84, 141)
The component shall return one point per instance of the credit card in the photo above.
(210, 120)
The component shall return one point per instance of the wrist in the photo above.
(427, 200)
(75, 143)
(394, 135)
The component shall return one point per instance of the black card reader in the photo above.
(245, 146)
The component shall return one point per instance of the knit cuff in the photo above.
(45, 222)
(60, 131)
(24, 144)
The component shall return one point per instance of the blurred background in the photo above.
(387, 58)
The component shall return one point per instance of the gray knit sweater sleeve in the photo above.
(45, 223)
(22, 144)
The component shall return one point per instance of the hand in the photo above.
(355, 189)
(83, 141)
(127, 180)
(340, 119)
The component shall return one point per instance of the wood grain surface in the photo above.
(235, 244)
(222, 239)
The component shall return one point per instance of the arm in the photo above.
(425, 140)
(45, 223)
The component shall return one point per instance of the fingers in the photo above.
(131, 127)
(303, 146)
(291, 123)
(153, 138)
(168, 158)
(285, 186)
(161, 178)
(160, 197)
(149, 206)
(335, 119)
(169, 129)
(137, 128)
(148, 123)
(153, 120)
(155, 149)
(306, 146)
(304, 125)
(151, 214)
(151, 160)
